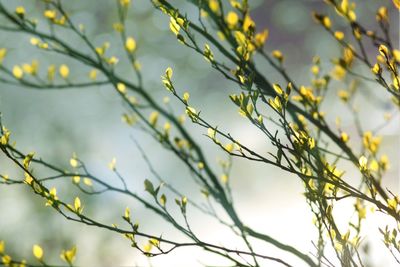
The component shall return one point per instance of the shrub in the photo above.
(338, 168)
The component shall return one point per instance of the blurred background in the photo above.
(57, 123)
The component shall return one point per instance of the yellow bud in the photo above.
(78, 205)
(211, 133)
(37, 252)
(200, 165)
(3, 53)
(396, 55)
(174, 26)
(277, 89)
(232, 19)
(125, 3)
(278, 55)
(76, 179)
(186, 97)
(130, 45)
(87, 181)
(224, 178)
(121, 88)
(168, 73)
(339, 35)
(20, 10)
(363, 161)
(377, 69)
(50, 14)
(93, 74)
(384, 51)
(153, 118)
(73, 162)
(18, 72)
(127, 214)
(326, 21)
(392, 203)
(345, 137)
(64, 71)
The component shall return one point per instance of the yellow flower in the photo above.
(396, 3)
(261, 37)
(392, 203)
(6, 259)
(229, 147)
(208, 54)
(396, 55)
(232, 19)
(174, 26)
(311, 143)
(338, 72)
(20, 10)
(315, 70)
(248, 23)
(344, 95)
(211, 133)
(50, 14)
(147, 248)
(363, 161)
(31, 68)
(383, 50)
(374, 165)
(68, 255)
(214, 6)
(276, 104)
(191, 112)
(113, 60)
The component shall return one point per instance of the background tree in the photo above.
(337, 168)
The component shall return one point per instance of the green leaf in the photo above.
(148, 186)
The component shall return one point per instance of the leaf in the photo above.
(148, 186)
